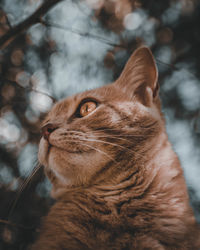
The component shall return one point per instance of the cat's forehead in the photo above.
(69, 105)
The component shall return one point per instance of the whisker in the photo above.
(105, 136)
(94, 130)
(112, 144)
(98, 132)
(100, 151)
(122, 129)
(91, 139)
(77, 133)
(21, 189)
(106, 129)
(94, 133)
(92, 147)
(118, 135)
(109, 143)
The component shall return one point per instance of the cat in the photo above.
(117, 182)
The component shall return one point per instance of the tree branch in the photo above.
(23, 26)
(29, 88)
(15, 225)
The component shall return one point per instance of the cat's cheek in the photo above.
(43, 151)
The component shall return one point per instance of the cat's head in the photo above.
(95, 135)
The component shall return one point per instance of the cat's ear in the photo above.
(140, 76)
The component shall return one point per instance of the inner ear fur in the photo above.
(140, 76)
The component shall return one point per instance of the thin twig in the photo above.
(100, 39)
(8, 22)
(85, 34)
(167, 64)
(23, 26)
(173, 67)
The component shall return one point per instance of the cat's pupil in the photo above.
(87, 108)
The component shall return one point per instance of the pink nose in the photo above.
(48, 129)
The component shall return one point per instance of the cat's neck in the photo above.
(153, 184)
(154, 170)
(157, 171)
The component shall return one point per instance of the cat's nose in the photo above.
(48, 129)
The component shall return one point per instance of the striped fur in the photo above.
(116, 180)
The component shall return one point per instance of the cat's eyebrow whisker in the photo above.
(21, 189)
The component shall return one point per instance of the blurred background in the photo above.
(52, 49)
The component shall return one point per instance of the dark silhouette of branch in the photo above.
(29, 88)
(23, 26)
(6, 222)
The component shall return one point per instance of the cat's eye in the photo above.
(87, 107)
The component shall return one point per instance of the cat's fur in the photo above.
(117, 181)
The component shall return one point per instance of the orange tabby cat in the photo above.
(117, 181)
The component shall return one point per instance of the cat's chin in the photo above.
(47, 152)
(69, 169)
(58, 186)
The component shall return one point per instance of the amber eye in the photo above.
(87, 107)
